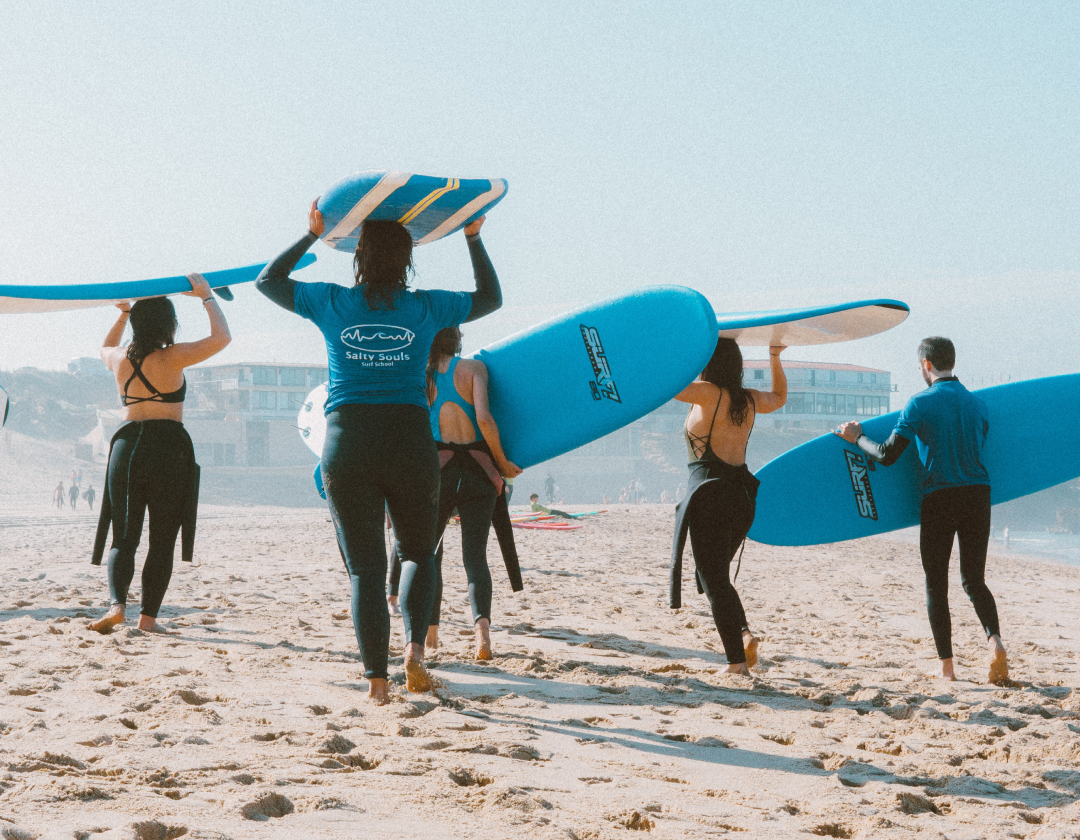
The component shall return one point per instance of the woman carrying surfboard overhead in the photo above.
(718, 508)
(379, 452)
(151, 459)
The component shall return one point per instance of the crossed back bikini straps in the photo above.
(176, 396)
(694, 442)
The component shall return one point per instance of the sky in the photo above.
(768, 155)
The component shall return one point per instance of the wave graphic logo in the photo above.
(377, 338)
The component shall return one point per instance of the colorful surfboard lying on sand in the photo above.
(827, 490)
(812, 325)
(568, 381)
(429, 208)
(57, 298)
(546, 526)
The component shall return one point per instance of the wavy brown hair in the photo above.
(153, 327)
(447, 342)
(725, 371)
(382, 264)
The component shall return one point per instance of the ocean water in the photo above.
(1062, 547)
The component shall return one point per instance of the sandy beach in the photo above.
(603, 711)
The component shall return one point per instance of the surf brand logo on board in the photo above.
(859, 470)
(380, 345)
(603, 386)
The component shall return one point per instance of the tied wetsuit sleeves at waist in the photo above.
(886, 453)
(275, 282)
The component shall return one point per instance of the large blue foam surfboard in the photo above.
(56, 298)
(568, 381)
(826, 491)
(430, 208)
(812, 324)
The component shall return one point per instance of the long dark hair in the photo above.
(725, 371)
(153, 327)
(382, 264)
(447, 342)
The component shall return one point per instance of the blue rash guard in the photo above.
(378, 356)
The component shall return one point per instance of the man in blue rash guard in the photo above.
(949, 425)
(379, 451)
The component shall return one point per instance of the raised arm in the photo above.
(190, 353)
(111, 351)
(274, 280)
(766, 402)
(488, 295)
(488, 428)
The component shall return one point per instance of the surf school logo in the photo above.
(377, 338)
(602, 386)
(859, 470)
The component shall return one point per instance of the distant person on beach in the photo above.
(90, 495)
(534, 504)
(1005, 537)
(549, 489)
(721, 493)
(151, 458)
(379, 451)
(474, 467)
(59, 496)
(950, 426)
(73, 495)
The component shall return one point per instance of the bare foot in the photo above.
(150, 625)
(947, 671)
(432, 640)
(739, 668)
(483, 640)
(750, 645)
(378, 691)
(106, 623)
(392, 600)
(416, 676)
(999, 663)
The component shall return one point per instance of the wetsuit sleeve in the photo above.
(886, 453)
(488, 295)
(274, 280)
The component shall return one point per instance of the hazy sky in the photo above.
(766, 154)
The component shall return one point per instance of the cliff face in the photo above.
(56, 405)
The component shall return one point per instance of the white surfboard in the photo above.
(812, 325)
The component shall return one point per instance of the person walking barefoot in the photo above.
(151, 459)
(950, 425)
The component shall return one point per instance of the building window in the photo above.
(266, 400)
(759, 374)
(873, 378)
(264, 376)
(832, 375)
(292, 376)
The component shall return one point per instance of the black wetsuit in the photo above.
(151, 468)
(718, 511)
(951, 425)
(379, 453)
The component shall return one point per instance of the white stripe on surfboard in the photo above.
(360, 211)
(498, 187)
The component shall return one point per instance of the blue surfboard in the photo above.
(56, 298)
(429, 208)
(568, 381)
(827, 490)
(5, 404)
(812, 324)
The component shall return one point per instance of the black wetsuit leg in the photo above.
(148, 471)
(379, 457)
(962, 512)
(474, 496)
(720, 516)
(395, 570)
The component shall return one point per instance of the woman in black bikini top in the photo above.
(718, 509)
(151, 459)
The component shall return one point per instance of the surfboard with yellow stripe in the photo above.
(430, 208)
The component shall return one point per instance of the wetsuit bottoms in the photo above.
(474, 496)
(720, 515)
(149, 470)
(963, 512)
(378, 458)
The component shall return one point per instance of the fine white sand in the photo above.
(603, 711)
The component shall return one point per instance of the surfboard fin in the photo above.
(224, 292)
